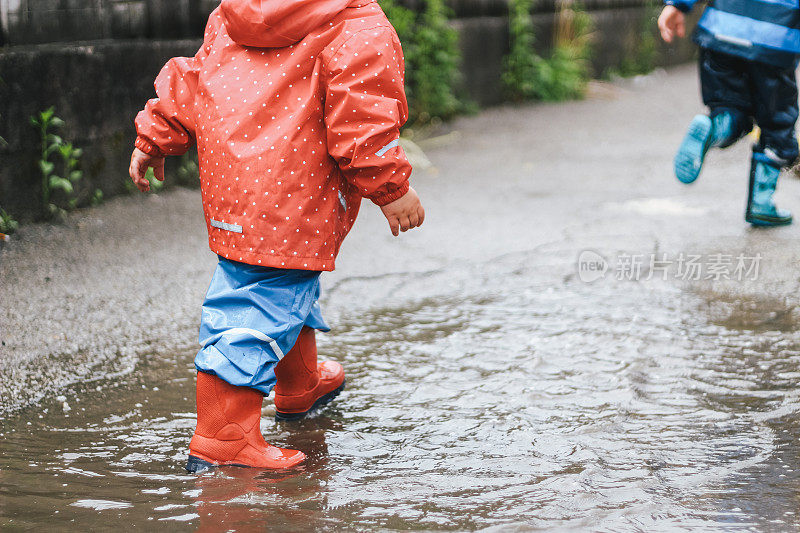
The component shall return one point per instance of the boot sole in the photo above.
(195, 465)
(692, 152)
(763, 220)
(321, 401)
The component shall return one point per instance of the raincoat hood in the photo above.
(276, 23)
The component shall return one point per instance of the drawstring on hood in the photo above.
(276, 23)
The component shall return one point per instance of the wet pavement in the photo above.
(493, 383)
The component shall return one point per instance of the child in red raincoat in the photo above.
(295, 107)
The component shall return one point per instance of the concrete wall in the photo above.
(47, 21)
(95, 61)
(97, 88)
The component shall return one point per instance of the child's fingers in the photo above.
(133, 170)
(681, 29)
(158, 170)
(138, 168)
(413, 220)
(137, 171)
(394, 225)
(142, 184)
(421, 215)
(664, 27)
(405, 225)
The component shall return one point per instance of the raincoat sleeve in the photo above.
(683, 5)
(166, 125)
(365, 106)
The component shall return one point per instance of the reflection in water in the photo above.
(233, 498)
(758, 362)
(508, 394)
(762, 312)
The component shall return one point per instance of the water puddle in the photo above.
(499, 396)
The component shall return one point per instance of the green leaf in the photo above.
(56, 122)
(97, 197)
(7, 224)
(77, 153)
(46, 167)
(75, 175)
(65, 185)
(47, 114)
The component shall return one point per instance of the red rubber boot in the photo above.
(303, 385)
(229, 429)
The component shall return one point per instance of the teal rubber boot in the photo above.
(761, 209)
(703, 133)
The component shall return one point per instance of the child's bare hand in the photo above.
(671, 22)
(140, 162)
(404, 213)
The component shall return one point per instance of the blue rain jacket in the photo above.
(760, 30)
(252, 316)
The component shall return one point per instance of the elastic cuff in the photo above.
(680, 5)
(389, 197)
(147, 147)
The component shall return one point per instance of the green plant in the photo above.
(642, 58)
(430, 47)
(561, 76)
(403, 20)
(68, 158)
(520, 66)
(435, 64)
(572, 50)
(97, 198)
(7, 224)
(156, 185)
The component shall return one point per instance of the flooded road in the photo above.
(504, 395)
(490, 386)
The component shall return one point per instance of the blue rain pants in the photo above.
(252, 316)
(753, 92)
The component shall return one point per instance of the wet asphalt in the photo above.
(122, 283)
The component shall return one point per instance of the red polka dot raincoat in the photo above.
(295, 106)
